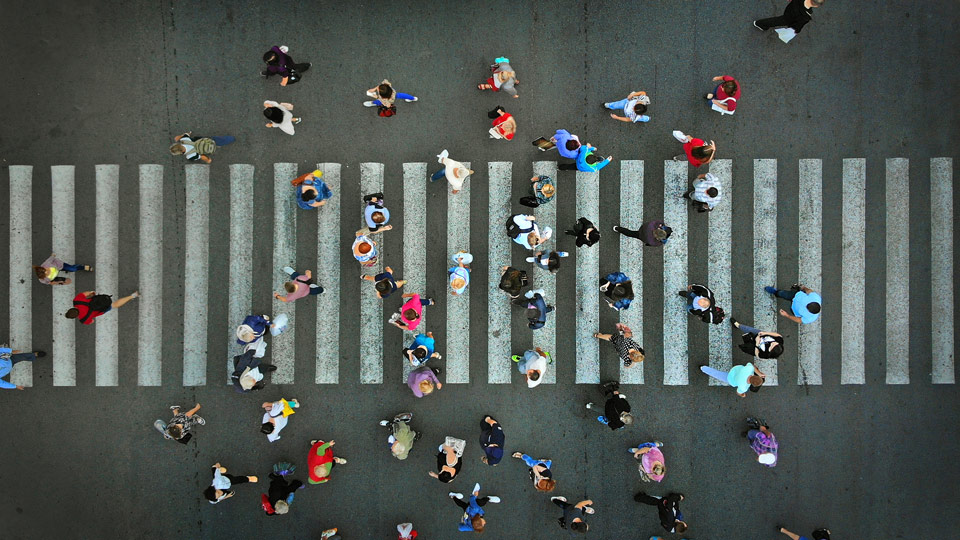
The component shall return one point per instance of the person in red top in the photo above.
(320, 461)
(504, 126)
(697, 151)
(89, 305)
(725, 96)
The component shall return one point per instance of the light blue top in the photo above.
(458, 271)
(799, 306)
(738, 376)
(562, 136)
(5, 366)
(368, 212)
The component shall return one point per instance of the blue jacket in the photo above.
(582, 164)
(614, 278)
(562, 136)
(541, 305)
(472, 510)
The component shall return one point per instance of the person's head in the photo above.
(426, 387)
(660, 234)
(658, 468)
(319, 471)
(533, 375)
(775, 350)
(546, 485)
(553, 261)
(572, 144)
(411, 314)
(383, 286)
(533, 314)
(378, 217)
(273, 114)
(680, 527)
(712, 192)
(177, 149)
(281, 507)
(703, 152)
(592, 159)
(384, 90)
(308, 194)
(72, 313)
(533, 238)
(478, 523)
(290, 287)
(730, 87)
(40, 272)
(626, 418)
(266, 428)
(767, 458)
(755, 381)
(420, 352)
(813, 307)
(548, 190)
(639, 108)
(580, 527)
(703, 302)
(270, 57)
(458, 283)
(619, 291)
(635, 356)
(175, 431)
(212, 493)
(593, 235)
(364, 247)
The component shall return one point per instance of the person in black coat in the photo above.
(668, 508)
(795, 15)
(246, 370)
(585, 231)
(616, 410)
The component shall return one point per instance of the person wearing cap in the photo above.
(375, 215)
(365, 250)
(617, 289)
(653, 233)
(540, 472)
(743, 378)
(320, 461)
(472, 520)
(491, 440)
(572, 518)
(585, 231)
(630, 351)
(384, 283)
(542, 189)
(651, 461)
(275, 417)
(533, 365)
(219, 488)
(762, 442)
(10, 357)
(633, 107)
(804, 303)
(668, 508)
(536, 307)
(460, 274)
(616, 410)
(311, 191)
(455, 172)
(50, 271)
(421, 350)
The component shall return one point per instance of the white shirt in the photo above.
(279, 420)
(286, 125)
(452, 169)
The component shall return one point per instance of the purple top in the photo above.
(648, 459)
(646, 233)
(763, 444)
(283, 65)
(419, 375)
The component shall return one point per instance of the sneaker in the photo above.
(253, 479)
(328, 533)
(314, 441)
(757, 26)
(369, 104)
(437, 371)
(771, 290)
(796, 287)
(515, 358)
(384, 423)
(265, 73)
(442, 155)
(588, 510)
(453, 495)
(415, 98)
(493, 498)
(678, 157)
(476, 487)
(269, 367)
(135, 294)
(288, 269)
(297, 120)
(603, 420)
(734, 322)
(564, 499)
(633, 450)
(616, 228)
(682, 293)
(589, 405)
(40, 354)
(708, 96)
(658, 443)
(606, 105)
(339, 461)
(518, 455)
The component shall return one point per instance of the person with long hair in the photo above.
(540, 472)
(279, 63)
(696, 151)
(504, 125)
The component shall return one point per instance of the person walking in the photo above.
(696, 151)
(280, 116)
(310, 191)
(504, 125)
(275, 417)
(536, 307)
(504, 78)
(50, 271)
(568, 146)
(819, 534)
(617, 289)
(402, 436)
(512, 281)
(587, 160)
(630, 351)
(251, 333)
(705, 193)
(523, 229)
(653, 233)
(668, 508)
(743, 378)
(248, 372)
(180, 427)
(585, 232)
(542, 191)
(375, 214)
(455, 172)
(533, 365)
(384, 283)
(765, 345)
(540, 472)
(408, 318)
(279, 497)
(548, 260)
(762, 441)
(572, 518)
(460, 274)
(421, 350)
(299, 286)
(384, 98)
(280, 63)
(702, 303)
(491, 440)
(616, 410)
(804, 303)
(651, 461)
(473, 520)
(423, 380)
(449, 459)
(219, 488)
(406, 531)
(633, 106)
(725, 96)
(9, 358)
(89, 305)
(198, 148)
(320, 461)
(365, 250)
(795, 16)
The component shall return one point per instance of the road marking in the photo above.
(941, 269)
(765, 307)
(498, 255)
(328, 277)
(588, 277)
(150, 283)
(458, 307)
(240, 298)
(284, 254)
(720, 227)
(63, 195)
(898, 270)
(195, 275)
(546, 214)
(21, 280)
(631, 257)
(415, 243)
(107, 269)
(675, 348)
(811, 264)
(852, 275)
(371, 307)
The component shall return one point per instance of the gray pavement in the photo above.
(111, 82)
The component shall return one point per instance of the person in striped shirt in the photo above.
(705, 193)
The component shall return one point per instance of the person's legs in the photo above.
(237, 479)
(482, 500)
(561, 504)
(747, 329)
(529, 460)
(315, 289)
(715, 373)
(786, 295)
(438, 175)
(752, 434)
(302, 67)
(460, 503)
(627, 232)
(603, 420)
(772, 22)
(223, 140)
(120, 302)
(294, 275)
(642, 497)
(67, 267)
(616, 105)
(567, 166)
(407, 97)
(22, 357)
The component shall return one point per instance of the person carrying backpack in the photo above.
(523, 230)
(198, 148)
(701, 302)
(89, 305)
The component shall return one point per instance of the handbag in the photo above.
(786, 34)
(386, 111)
(458, 445)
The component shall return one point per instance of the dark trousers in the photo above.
(775, 22)
(627, 232)
(567, 166)
(463, 504)
(22, 357)
(235, 480)
(786, 295)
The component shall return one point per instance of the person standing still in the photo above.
(725, 96)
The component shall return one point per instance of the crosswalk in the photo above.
(669, 353)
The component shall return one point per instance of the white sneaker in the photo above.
(564, 499)
(284, 48)
(442, 155)
(453, 495)
(476, 487)
(589, 405)
(384, 423)
(288, 269)
(632, 450)
(493, 499)
(531, 259)
(369, 104)
(415, 98)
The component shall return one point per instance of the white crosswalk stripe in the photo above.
(335, 230)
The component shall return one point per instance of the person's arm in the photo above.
(757, 372)
(193, 411)
(580, 505)
(632, 95)
(806, 290)
(408, 295)
(717, 78)
(620, 118)
(436, 381)
(280, 298)
(9, 386)
(317, 204)
(791, 317)
(641, 451)
(323, 447)
(720, 104)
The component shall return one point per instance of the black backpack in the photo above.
(514, 230)
(713, 315)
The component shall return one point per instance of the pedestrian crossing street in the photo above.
(670, 353)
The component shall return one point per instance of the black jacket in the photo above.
(240, 363)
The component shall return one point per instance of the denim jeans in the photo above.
(786, 295)
(67, 267)
(534, 462)
(223, 140)
(438, 175)
(748, 329)
(617, 105)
